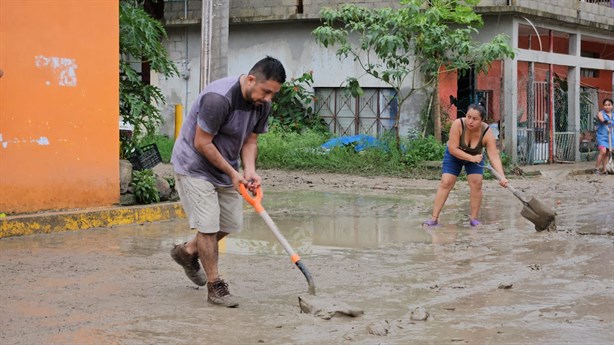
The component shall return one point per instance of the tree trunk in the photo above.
(436, 111)
(396, 128)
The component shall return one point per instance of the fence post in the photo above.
(178, 119)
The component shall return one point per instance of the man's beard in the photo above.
(250, 99)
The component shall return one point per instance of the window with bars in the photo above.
(485, 97)
(607, 3)
(373, 113)
(589, 73)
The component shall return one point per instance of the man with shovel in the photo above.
(221, 128)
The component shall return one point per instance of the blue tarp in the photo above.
(360, 142)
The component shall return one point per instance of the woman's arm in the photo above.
(601, 118)
(490, 143)
(454, 142)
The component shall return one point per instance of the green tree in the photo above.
(409, 47)
(140, 39)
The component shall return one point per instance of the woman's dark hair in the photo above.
(479, 108)
(269, 69)
(607, 100)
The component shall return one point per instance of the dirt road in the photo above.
(502, 283)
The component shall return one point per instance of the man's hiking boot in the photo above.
(190, 265)
(219, 294)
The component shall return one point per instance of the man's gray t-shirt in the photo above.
(221, 111)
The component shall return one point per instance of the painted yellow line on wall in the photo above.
(79, 220)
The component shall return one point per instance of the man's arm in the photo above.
(249, 152)
(203, 142)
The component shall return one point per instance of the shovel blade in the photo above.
(541, 221)
(326, 307)
(541, 209)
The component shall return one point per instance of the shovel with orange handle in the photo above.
(255, 201)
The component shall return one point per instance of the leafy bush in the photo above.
(127, 147)
(144, 185)
(506, 161)
(422, 149)
(291, 109)
(171, 182)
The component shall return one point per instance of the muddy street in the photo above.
(362, 240)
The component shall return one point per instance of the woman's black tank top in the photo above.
(478, 149)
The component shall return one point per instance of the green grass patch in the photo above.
(303, 151)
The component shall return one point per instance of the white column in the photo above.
(206, 33)
(214, 41)
(510, 101)
(573, 96)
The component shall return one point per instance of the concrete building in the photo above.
(564, 42)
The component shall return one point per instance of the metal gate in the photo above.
(533, 140)
(373, 113)
(564, 140)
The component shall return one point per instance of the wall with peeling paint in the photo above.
(59, 97)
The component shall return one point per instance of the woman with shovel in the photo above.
(604, 130)
(467, 140)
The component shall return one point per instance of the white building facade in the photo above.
(240, 32)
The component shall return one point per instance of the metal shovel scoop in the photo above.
(537, 213)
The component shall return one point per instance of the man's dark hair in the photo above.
(480, 109)
(269, 69)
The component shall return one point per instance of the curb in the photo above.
(582, 172)
(574, 172)
(49, 222)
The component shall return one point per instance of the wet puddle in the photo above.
(314, 222)
(120, 279)
(318, 222)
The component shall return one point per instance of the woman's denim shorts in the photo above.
(453, 165)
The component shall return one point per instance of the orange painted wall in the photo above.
(490, 80)
(447, 88)
(59, 97)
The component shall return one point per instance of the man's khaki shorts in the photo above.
(210, 208)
